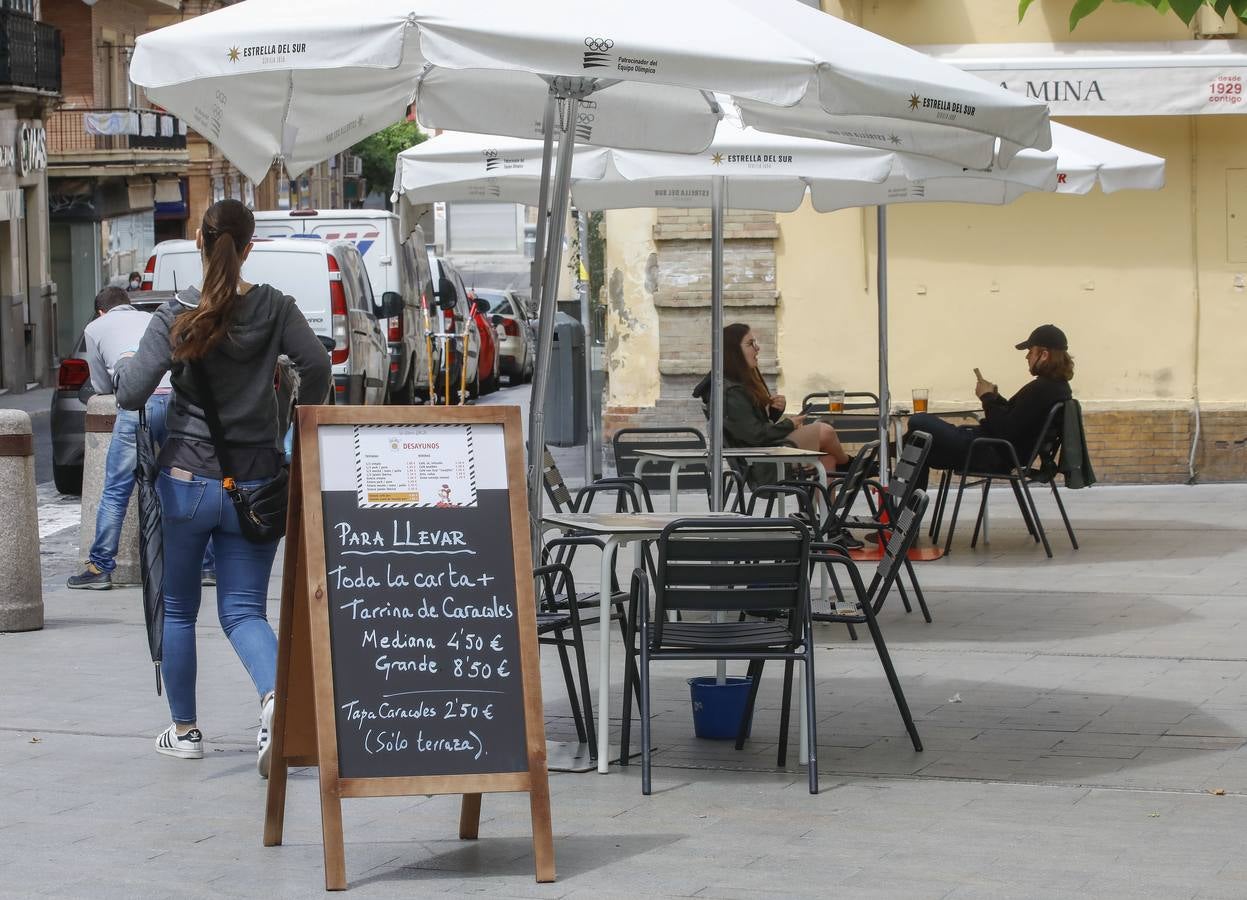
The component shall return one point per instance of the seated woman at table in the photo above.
(753, 416)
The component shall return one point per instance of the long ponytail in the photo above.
(226, 231)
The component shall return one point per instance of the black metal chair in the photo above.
(856, 425)
(694, 476)
(710, 566)
(895, 497)
(559, 624)
(905, 528)
(1040, 466)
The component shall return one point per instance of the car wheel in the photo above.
(68, 479)
(474, 387)
(405, 395)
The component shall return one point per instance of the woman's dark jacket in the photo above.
(744, 425)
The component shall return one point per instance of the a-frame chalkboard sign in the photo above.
(407, 659)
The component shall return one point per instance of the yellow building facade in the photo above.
(1150, 286)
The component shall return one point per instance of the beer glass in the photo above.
(920, 400)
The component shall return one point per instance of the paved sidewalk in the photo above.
(1081, 717)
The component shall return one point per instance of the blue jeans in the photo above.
(119, 478)
(119, 481)
(195, 511)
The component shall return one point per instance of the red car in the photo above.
(489, 363)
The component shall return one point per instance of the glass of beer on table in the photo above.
(835, 401)
(920, 400)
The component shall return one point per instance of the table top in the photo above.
(732, 453)
(900, 413)
(630, 523)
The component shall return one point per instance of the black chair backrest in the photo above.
(904, 476)
(709, 565)
(850, 487)
(905, 528)
(1048, 443)
(628, 441)
(556, 490)
(858, 424)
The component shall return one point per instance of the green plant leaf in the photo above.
(1240, 8)
(1221, 7)
(1082, 9)
(1023, 6)
(1186, 9)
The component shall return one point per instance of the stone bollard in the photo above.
(21, 587)
(101, 413)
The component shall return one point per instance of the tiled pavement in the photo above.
(1080, 716)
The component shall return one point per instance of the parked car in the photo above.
(490, 364)
(69, 405)
(394, 263)
(329, 283)
(517, 345)
(453, 312)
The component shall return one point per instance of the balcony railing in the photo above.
(113, 130)
(30, 52)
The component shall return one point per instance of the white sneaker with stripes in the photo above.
(264, 740)
(184, 746)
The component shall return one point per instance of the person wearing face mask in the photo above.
(1017, 419)
(753, 416)
(135, 283)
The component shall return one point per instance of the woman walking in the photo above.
(221, 344)
(753, 416)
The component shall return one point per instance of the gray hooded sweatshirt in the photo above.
(240, 370)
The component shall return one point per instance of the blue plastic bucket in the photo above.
(718, 708)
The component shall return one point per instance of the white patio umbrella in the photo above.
(302, 79)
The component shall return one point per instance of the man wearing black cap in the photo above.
(1017, 420)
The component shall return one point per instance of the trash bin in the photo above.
(567, 423)
(718, 707)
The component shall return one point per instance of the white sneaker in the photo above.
(264, 740)
(185, 746)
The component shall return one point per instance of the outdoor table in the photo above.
(678, 459)
(618, 529)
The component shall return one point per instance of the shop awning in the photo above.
(1175, 78)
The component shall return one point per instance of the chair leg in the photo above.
(645, 713)
(978, 523)
(755, 675)
(900, 589)
(1043, 537)
(572, 691)
(922, 601)
(893, 681)
(952, 524)
(811, 729)
(784, 710)
(625, 726)
(1069, 529)
(1026, 514)
(941, 501)
(629, 637)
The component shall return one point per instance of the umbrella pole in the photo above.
(881, 277)
(545, 340)
(543, 201)
(717, 189)
(586, 316)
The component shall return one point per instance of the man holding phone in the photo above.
(1016, 420)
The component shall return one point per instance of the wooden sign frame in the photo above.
(304, 725)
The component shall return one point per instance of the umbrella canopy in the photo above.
(298, 80)
(881, 94)
(151, 543)
(1074, 165)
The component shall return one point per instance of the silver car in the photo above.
(518, 344)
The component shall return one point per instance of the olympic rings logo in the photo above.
(599, 45)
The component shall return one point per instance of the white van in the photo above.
(395, 263)
(328, 281)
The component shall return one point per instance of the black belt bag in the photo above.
(261, 511)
